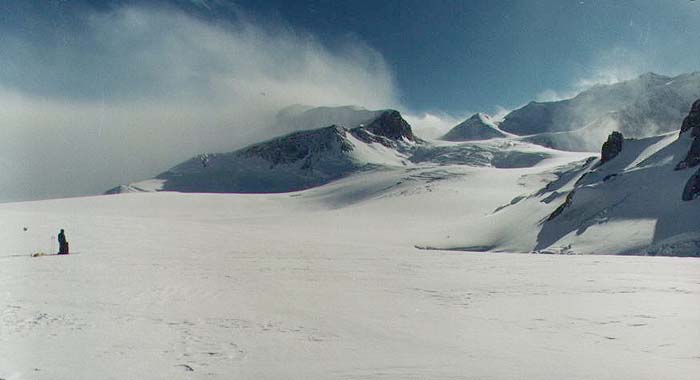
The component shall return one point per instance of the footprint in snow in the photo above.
(186, 367)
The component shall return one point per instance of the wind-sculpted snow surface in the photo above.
(325, 283)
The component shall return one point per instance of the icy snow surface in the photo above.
(327, 284)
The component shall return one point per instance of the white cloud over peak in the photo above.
(132, 91)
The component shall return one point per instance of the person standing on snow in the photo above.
(62, 243)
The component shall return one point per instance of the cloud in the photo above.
(432, 125)
(610, 66)
(550, 95)
(501, 113)
(120, 95)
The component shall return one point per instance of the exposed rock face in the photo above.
(691, 124)
(612, 147)
(388, 129)
(693, 156)
(563, 206)
(692, 187)
(692, 121)
(390, 124)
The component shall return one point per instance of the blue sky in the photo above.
(454, 55)
(449, 56)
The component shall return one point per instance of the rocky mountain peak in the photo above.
(391, 125)
(481, 117)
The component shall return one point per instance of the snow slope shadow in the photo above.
(636, 197)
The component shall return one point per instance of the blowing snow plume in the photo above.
(96, 97)
(642, 107)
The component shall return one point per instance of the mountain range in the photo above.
(645, 106)
(634, 197)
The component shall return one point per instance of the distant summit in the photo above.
(295, 161)
(478, 127)
(645, 106)
(314, 157)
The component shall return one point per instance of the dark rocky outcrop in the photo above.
(612, 147)
(562, 207)
(391, 125)
(388, 129)
(692, 121)
(692, 187)
(692, 158)
(691, 125)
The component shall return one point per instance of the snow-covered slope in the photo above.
(292, 162)
(632, 204)
(478, 127)
(497, 153)
(312, 158)
(642, 107)
(325, 283)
